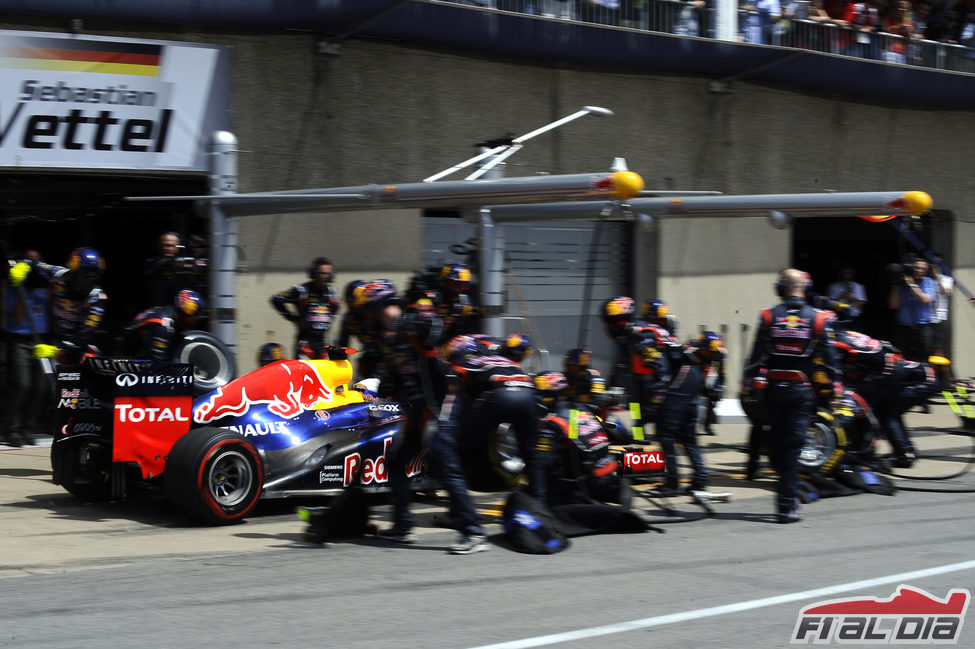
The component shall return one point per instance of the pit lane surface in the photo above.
(136, 574)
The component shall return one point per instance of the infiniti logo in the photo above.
(126, 379)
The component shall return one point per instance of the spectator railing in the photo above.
(693, 19)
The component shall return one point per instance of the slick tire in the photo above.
(213, 362)
(497, 464)
(825, 447)
(214, 476)
(82, 467)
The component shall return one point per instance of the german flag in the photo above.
(74, 55)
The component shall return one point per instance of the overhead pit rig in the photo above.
(615, 194)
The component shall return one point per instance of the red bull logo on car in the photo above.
(287, 387)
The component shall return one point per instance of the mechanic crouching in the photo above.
(158, 330)
(484, 390)
(667, 381)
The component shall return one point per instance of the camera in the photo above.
(897, 273)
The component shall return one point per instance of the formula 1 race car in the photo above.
(290, 428)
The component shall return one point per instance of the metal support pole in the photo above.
(223, 239)
(492, 271)
(492, 256)
(726, 20)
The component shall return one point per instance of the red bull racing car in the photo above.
(293, 427)
(290, 428)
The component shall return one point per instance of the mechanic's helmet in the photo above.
(709, 344)
(458, 347)
(425, 327)
(424, 301)
(488, 345)
(590, 386)
(657, 312)
(379, 293)
(455, 277)
(189, 306)
(618, 311)
(355, 293)
(576, 361)
(86, 262)
(550, 385)
(517, 347)
(269, 353)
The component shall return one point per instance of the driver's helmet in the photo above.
(517, 347)
(458, 347)
(269, 353)
(355, 293)
(455, 277)
(86, 262)
(189, 306)
(550, 385)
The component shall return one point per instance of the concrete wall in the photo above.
(388, 112)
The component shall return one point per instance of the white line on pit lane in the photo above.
(737, 607)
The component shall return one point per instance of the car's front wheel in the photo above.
(214, 476)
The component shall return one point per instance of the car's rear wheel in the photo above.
(214, 476)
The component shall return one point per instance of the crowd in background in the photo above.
(875, 29)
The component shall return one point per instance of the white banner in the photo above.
(109, 103)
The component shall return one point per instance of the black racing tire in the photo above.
(825, 447)
(497, 464)
(214, 476)
(83, 467)
(213, 362)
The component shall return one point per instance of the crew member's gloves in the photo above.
(19, 272)
(45, 351)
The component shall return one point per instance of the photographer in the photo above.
(912, 295)
(168, 273)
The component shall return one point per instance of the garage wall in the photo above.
(388, 112)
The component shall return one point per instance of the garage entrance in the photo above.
(822, 246)
(57, 212)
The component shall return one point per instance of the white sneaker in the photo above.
(469, 544)
(708, 496)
